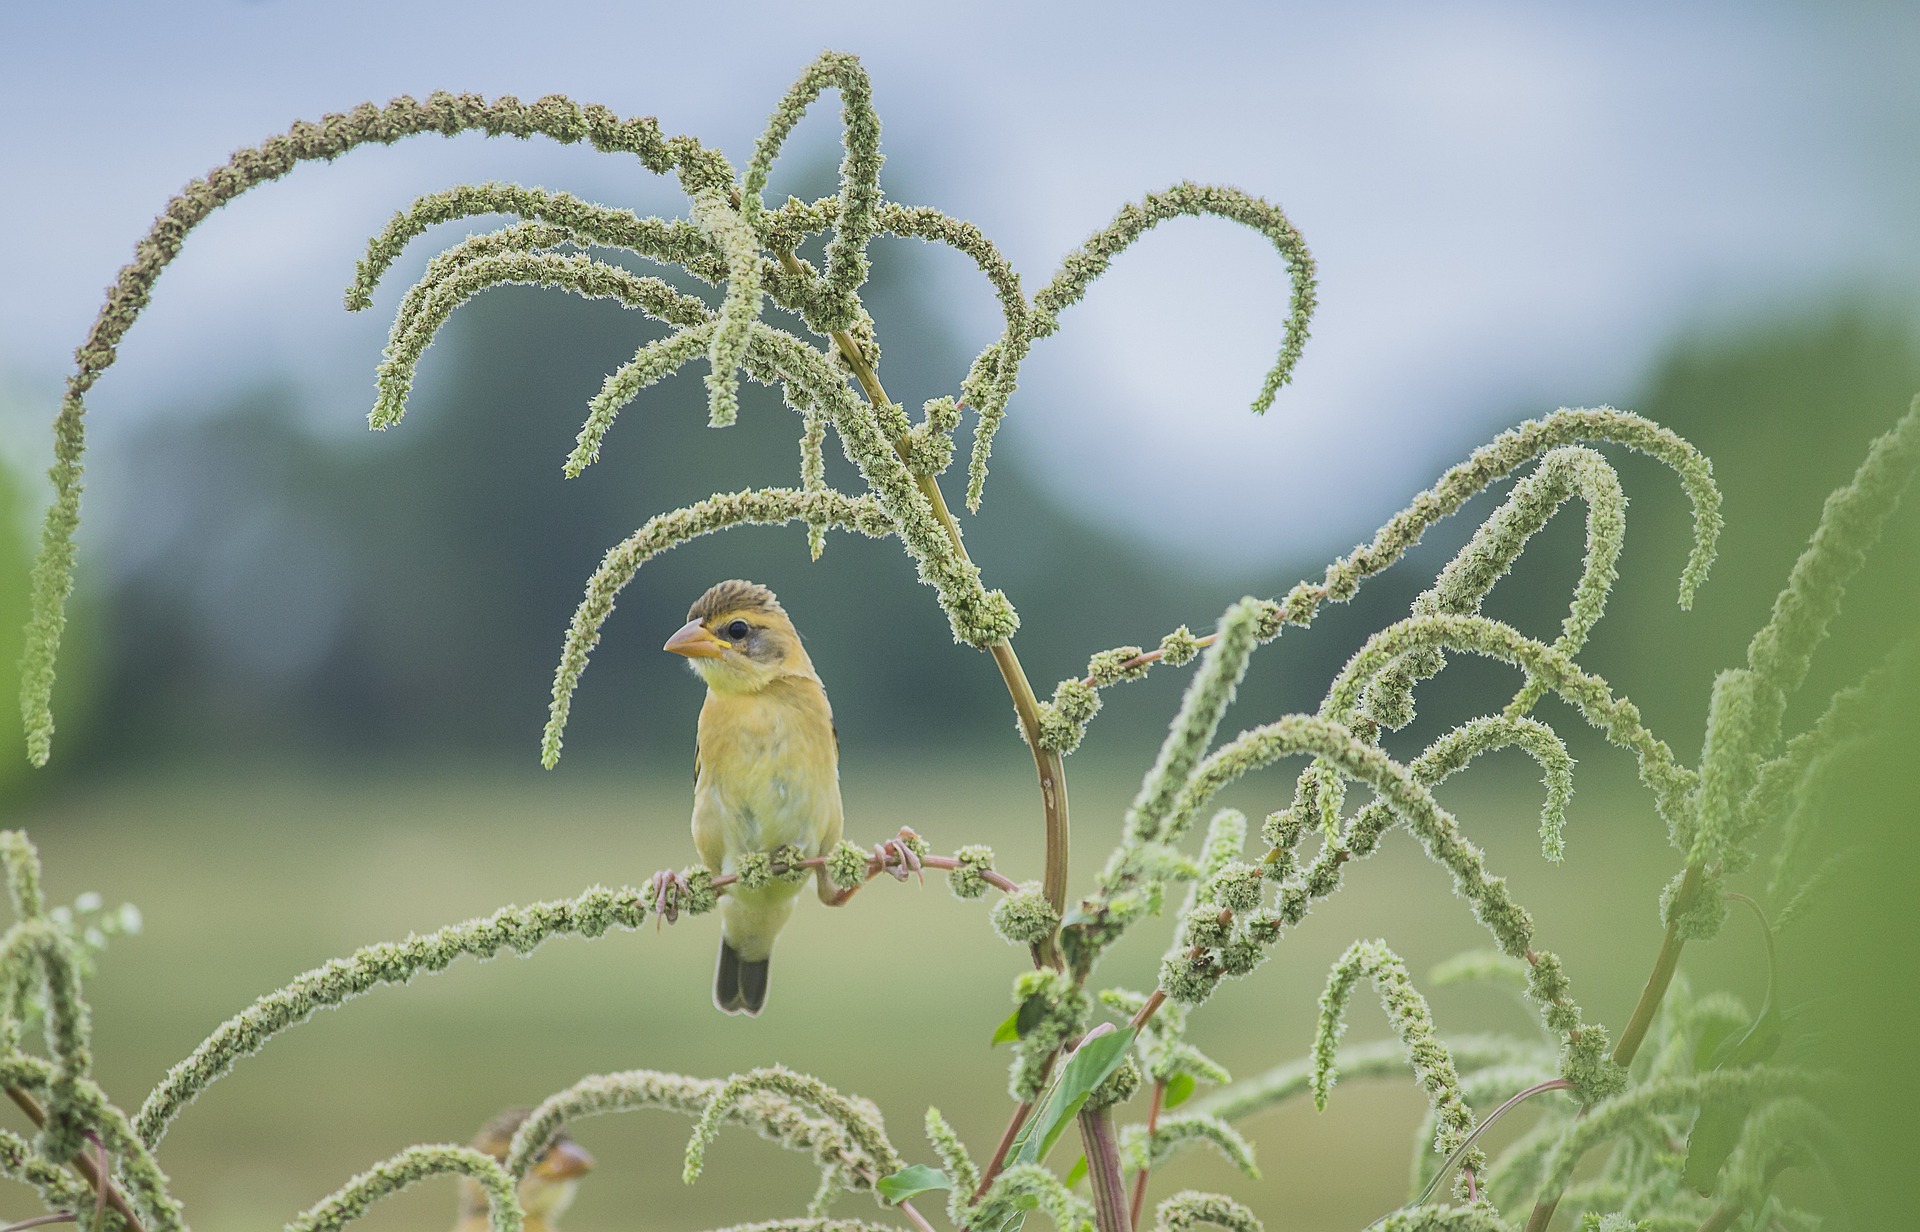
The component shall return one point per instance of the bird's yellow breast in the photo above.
(768, 773)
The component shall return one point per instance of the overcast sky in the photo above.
(1514, 206)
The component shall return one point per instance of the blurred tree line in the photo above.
(260, 588)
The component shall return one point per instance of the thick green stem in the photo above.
(1047, 764)
(1663, 967)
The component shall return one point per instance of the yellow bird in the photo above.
(548, 1189)
(766, 770)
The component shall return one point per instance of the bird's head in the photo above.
(548, 1188)
(739, 639)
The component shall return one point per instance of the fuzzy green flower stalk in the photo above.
(856, 224)
(416, 1163)
(1190, 1208)
(1489, 464)
(448, 114)
(675, 242)
(1412, 1021)
(1465, 582)
(516, 929)
(767, 507)
(995, 373)
(1743, 724)
(861, 1125)
(92, 1112)
(777, 1118)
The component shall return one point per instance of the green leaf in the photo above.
(1006, 1032)
(1096, 1058)
(911, 1180)
(1179, 1087)
(1715, 1133)
(1077, 1173)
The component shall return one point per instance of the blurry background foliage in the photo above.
(312, 671)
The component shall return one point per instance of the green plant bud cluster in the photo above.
(1117, 1088)
(1063, 721)
(1702, 918)
(1187, 980)
(1204, 926)
(1052, 1011)
(1236, 887)
(1190, 1208)
(755, 869)
(967, 881)
(1179, 647)
(699, 896)
(1025, 917)
(847, 866)
(1587, 1063)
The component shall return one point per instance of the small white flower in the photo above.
(130, 919)
(90, 901)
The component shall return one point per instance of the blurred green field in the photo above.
(246, 881)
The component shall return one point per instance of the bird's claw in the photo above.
(897, 856)
(669, 888)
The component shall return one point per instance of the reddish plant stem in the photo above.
(919, 1220)
(93, 1174)
(1153, 656)
(999, 1159)
(1140, 1178)
(1103, 1170)
(38, 1220)
(945, 864)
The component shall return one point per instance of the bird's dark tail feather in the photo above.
(739, 987)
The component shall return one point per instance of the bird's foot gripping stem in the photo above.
(670, 890)
(900, 855)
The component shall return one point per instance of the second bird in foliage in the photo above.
(548, 1189)
(766, 770)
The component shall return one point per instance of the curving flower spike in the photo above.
(1462, 586)
(1640, 1107)
(857, 1119)
(1671, 783)
(1032, 1185)
(1175, 1133)
(1152, 816)
(675, 242)
(765, 507)
(739, 310)
(416, 1163)
(859, 179)
(491, 261)
(773, 1116)
(519, 929)
(1743, 724)
(1190, 1208)
(654, 362)
(991, 384)
(1412, 1021)
(447, 114)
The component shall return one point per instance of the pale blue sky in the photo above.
(1513, 205)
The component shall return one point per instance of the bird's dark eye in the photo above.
(738, 630)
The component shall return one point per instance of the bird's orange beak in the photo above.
(564, 1161)
(695, 642)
